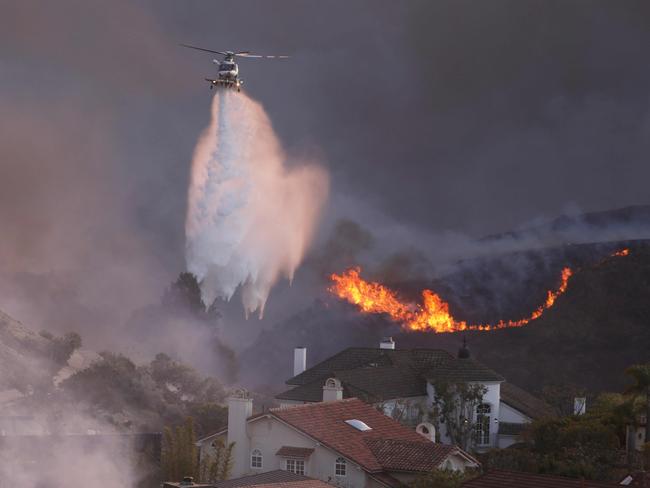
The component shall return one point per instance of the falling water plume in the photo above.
(250, 218)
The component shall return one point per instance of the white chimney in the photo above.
(240, 408)
(579, 405)
(299, 360)
(387, 343)
(332, 390)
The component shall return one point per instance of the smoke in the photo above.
(250, 218)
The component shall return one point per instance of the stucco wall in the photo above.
(269, 434)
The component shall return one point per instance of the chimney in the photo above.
(579, 405)
(332, 390)
(299, 360)
(387, 343)
(240, 408)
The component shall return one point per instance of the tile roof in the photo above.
(387, 480)
(456, 369)
(514, 479)
(294, 452)
(382, 374)
(325, 422)
(355, 357)
(396, 455)
(277, 479)
(524, 402)
(375, 383)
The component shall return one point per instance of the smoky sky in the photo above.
(465, 116)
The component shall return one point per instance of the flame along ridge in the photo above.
(433, 313)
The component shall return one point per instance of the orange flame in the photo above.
(433, 314)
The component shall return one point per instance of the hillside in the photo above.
(50, 384)
(599, 327)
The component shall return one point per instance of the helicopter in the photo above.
(228, 71)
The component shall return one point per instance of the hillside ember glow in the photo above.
(433, 313)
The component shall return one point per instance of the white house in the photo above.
(348, 443)
(401, 381)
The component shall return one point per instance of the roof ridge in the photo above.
(312, 405)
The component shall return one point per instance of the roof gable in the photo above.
(524, 402)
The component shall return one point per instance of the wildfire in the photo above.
(433, 313)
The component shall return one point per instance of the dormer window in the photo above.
(358, 424)
(256, 459)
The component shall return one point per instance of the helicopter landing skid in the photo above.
(225, 83)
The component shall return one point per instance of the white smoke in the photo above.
(250, 218)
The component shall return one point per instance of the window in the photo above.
(414, 412)
(296, 466)
(340, 466)
(256, 459)
(482, 428)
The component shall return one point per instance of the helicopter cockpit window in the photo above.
(226, 67)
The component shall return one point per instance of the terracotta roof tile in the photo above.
(325, 422)
(387, 480)
(396, 455)
(514, 479)
(277, 479)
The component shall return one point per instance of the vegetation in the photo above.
(166, 388)
(442, 478)
(454, 404)
(641, 388)
(180, 456)
(589, 445)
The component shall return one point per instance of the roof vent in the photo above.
(358, 424)
(387, 343)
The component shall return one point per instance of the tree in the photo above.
(455, 404)
(63, 347)
(217, 465)
(562, 397)
(179, 456)
(641, 389)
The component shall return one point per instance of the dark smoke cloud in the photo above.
(452, 117)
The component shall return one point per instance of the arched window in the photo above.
(256, 459)
(482, 428)
(340, 467)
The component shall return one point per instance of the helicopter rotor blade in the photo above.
(261, 56)
(203, 49)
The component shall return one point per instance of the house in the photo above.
(348, 443)
(401, 382)
(516, 479)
